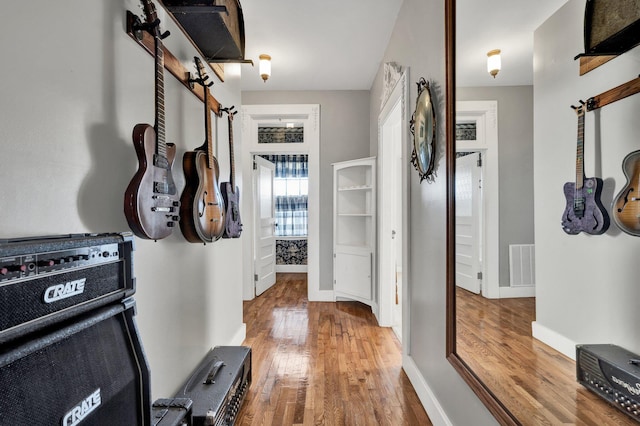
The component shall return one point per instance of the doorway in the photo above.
(393, 217)
(307, 118)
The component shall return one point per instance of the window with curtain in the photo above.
(291, 190)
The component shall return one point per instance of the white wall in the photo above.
(344, 135)
(587, 286)
(72, 86)
(417, 42)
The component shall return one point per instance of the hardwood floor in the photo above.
(323, 363)
(535, 382)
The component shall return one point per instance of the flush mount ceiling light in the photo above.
(265, 66)
(493, 62)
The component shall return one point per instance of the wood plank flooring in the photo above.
(534, 381)
(323, 363)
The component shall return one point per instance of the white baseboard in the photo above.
(291, 268)
(321, 296)
(240, 335)
(430, 403)
(524, 291)
(555, 340)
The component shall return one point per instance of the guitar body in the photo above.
(232, 223)
(151, 199)
(626, 205)
(201, 204)
(584, 211)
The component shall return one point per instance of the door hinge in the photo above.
(255, 277)
(479, 160)
(255, 166)
(479, 275)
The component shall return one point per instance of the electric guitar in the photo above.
(626, 205)
(230, 192)
(201, 205)
(151, 199)
(584, 211)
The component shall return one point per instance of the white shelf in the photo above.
(354, 212)
(356, 188)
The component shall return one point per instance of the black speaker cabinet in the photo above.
(215, 26)
(45, 280)
(88, 371)
(611, 26)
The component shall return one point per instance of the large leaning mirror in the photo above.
(519, 288)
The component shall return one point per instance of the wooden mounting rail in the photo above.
(627, 89)
(171, 63)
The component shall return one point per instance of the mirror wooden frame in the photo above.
(495, 406)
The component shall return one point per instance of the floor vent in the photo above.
(522, 265)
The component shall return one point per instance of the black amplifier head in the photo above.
(44, 280)
(612, 373)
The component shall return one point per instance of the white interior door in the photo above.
(265, 240)
(390, 260)
(468, 219)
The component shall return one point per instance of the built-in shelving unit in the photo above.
(354, 228)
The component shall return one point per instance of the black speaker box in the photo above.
(45, 280)
(90, 370)
(611, 26)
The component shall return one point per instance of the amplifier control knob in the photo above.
(4, 271)
(45, 263)
(17, 268)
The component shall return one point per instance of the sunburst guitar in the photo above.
(202, 206)
(626, 205)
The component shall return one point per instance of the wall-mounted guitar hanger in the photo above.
(136, 30)
(624, 90)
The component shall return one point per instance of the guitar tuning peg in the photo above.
(574, 107)
(582, 102)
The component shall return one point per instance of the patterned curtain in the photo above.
(291, 209)
(290, 166)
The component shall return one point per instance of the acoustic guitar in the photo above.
(151, 202)
(626, 205)
(230, 192)
(584, 211)
(201, 205)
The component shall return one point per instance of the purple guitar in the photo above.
(230, 192)
(584, 211)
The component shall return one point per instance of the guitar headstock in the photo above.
(152, 23)
(202, 74)
(580, 109)
(230, 112)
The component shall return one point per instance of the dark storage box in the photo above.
(216, 27)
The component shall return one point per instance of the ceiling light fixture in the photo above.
(493, 62)
(265, 66)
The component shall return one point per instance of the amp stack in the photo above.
(70, 352)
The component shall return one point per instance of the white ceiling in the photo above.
(339, 44)
(508, 25)
(317, 45)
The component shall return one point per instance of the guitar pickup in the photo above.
(162, 209)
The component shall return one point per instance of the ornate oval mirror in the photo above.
(423, 128)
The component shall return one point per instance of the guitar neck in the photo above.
(580, 153)
(207, 124)
(161, 144)
(232, 178)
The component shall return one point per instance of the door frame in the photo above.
(398, 93)
(309, 115)
(485, 115)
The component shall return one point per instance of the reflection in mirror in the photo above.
(491, 261)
